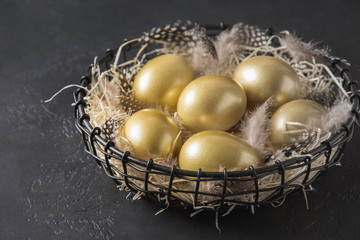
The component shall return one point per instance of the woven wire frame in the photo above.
(104, 151)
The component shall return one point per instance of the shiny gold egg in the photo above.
(162, 79)
(263, 77)
(211, 102)
(294, 119)
(212, 150)
(152, 134)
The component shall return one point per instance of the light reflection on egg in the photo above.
(162, 79)
(263, 77)
(152, 134)
(212, 150)
(211, 102)
(294, 120)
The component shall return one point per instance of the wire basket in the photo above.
(137, 175)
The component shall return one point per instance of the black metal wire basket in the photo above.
(105, 153)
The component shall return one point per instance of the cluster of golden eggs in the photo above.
(210, 105)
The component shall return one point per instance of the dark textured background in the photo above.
(51, 190)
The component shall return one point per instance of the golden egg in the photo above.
(212, 150)
(211, 102)
(294, 119)
(162, 79)
(263, 77)
(152, 134)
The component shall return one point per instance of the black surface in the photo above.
(50, 189)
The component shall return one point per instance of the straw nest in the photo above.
(110, 102)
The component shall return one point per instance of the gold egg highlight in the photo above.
(263, 77)
(212, 150)
(294, 119)
(211, 102)
(152, 134)
(162, 79)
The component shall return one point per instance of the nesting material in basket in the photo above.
(110, 102)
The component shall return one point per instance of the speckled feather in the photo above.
(110, 129)
(185, 35)
(125, 81)
(252, 35)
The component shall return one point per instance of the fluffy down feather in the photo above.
(254, 128)
(227, 44)
(337, 115)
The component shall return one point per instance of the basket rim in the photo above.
(343, 136)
